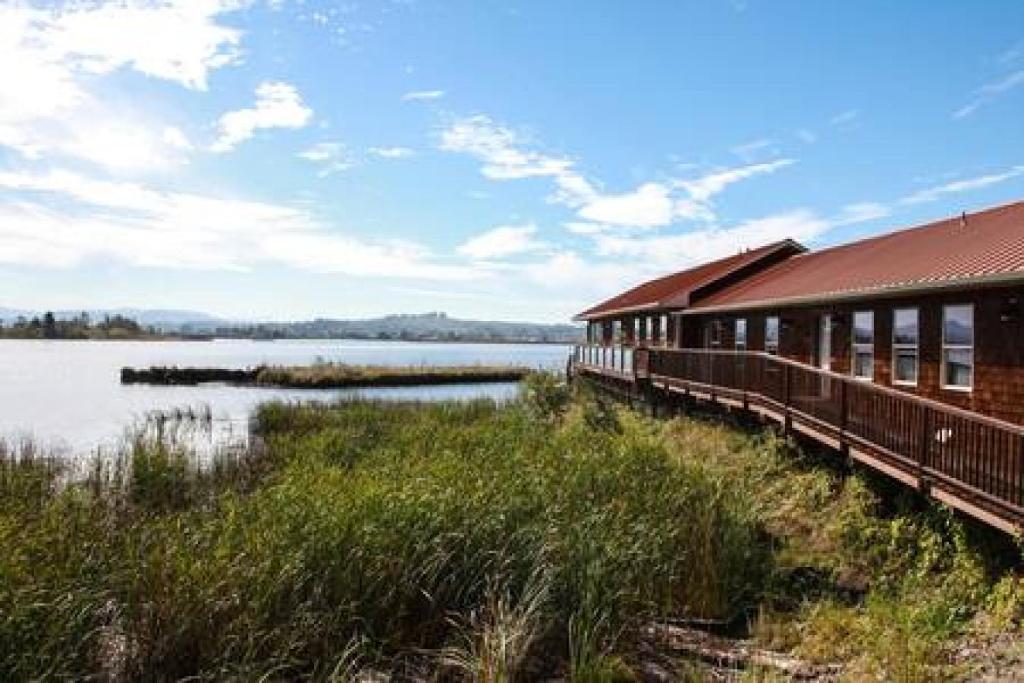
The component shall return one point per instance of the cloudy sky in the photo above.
(506, 160)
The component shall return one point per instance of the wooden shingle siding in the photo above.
(998, 343)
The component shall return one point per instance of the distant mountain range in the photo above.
(415, 327)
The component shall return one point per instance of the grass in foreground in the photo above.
(490, 543)
(475, 542)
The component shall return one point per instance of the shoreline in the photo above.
(495, 342)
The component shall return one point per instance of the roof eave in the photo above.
(878, 292)
(676, 306)
(617, 311)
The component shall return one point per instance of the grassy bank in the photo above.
(464, 537)
(476, 542)
(327, 375)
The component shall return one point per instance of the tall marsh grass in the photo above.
(488, 542)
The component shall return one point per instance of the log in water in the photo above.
(172, 376)
(325, 376)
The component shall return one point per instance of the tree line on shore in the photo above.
(48, 326)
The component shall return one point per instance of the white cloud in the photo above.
(422, 95)
(989, 92)
(649, 206)
(654, 205)
(505, 240)
(331, 157)
(278, 105)
(54, 56)
(749, 151)
(672, 252)
(391, 152)
(704, 188)
(578, 228)
(1011, 54)
(845, 119)
(500, 149)
(859, 212)
(505, 155)
(966, 185)
(63, 219)
(807, 136)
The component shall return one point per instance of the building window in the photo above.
(616, 331)
(905, 340)
(741, 334)
(864, 345)
(663, 329)
(958, 347)
(636, 330)
(771, 334)
(715, 334)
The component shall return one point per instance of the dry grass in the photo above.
(335, 375)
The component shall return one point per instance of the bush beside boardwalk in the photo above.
(489, 543)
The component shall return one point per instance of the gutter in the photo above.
(857, 295)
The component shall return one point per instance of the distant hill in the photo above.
(419, 327)
(411, 327)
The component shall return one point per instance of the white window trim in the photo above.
(956, 347)
(903, 347)
(778, 338)
(740, 345)
(854, 346)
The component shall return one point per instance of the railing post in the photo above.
(844, 411)
(744, 384)
(843, 407)
(788, 419)
(922, 451)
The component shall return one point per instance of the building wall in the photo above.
(998, 387)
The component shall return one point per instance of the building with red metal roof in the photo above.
(934, 310)
(970, 250)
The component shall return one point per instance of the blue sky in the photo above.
(502, 160)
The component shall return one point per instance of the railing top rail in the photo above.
(902, 395)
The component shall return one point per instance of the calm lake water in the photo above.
(67, 395)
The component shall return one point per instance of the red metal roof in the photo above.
(673, 291)
(987, 246)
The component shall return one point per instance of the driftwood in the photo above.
(735, 654)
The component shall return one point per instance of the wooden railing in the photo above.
(976, 457)
(612, 357)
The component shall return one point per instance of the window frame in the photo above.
(854, 344)
(968, 388)
(777, 344)
(737, 343)
(715, 334)
(903, 346)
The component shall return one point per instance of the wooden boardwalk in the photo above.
(967, 461)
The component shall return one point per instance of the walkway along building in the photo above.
(905, 350)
